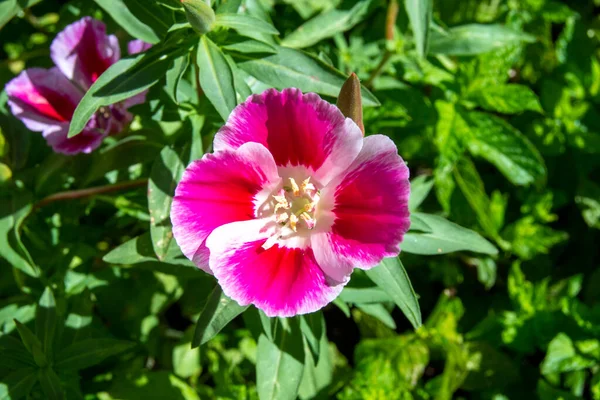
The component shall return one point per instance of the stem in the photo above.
(390, 23)
(82, 193)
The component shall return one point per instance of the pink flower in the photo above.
(45, 99)
(292, 200)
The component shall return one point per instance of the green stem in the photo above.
(82, 193)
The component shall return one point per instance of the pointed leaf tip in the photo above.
(350, 102)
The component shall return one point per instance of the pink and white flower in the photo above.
(45, 99)
(291, 201)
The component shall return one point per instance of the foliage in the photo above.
(493, 104)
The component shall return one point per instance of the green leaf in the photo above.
(546, 392)
(391, 276)
(166, 172)
(419, 13)
(245, 25)
(508, 149)
(175, 74)
(17, 384)
(126, 78)
(143, 384)
(316, 377)
(13, 211)
(129, 21)
(88, 352)
(364, 295)
(391, 366)
(13, 354)
(471, 185)
(250, 46)
(45, 320)
(472, 39)
(313, 329)
(506, 99)
(50, 383)
(280, 366)
(444, 237)
(379, 312)
(219, 311)
(294, 68)
(132, 149)
(326, 25)
(140, 249)
(216, 77)
(32, 344)
(562, 356)
(448, 132)
(419, 189)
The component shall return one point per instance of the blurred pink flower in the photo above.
(45, 99)
(293, 199)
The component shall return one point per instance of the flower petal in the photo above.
(42, 98)
(137, 46)
(298, 129)
(83, 51)
(87, 141)
(369, 206)
(218, 189)
(281, 281)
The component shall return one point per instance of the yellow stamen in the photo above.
(295, 187)
(293, 222)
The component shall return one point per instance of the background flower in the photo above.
(45, 100)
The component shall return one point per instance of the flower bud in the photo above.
(199, 14)
(350, 101)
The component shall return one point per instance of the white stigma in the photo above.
(294, 208)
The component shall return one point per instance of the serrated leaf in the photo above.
(50, 383)
(472, 39)
(280, 366)
(216, 77)
(166, 172)
(17, 384)
(419, 13)
(294, 68)
(391, 276)
(326, 25)
(123, 16)
(444, 237)
(508, 149)
(506, 99)
(45, 320)
(219, 311)
(88, 352)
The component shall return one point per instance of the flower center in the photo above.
(294, 208)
